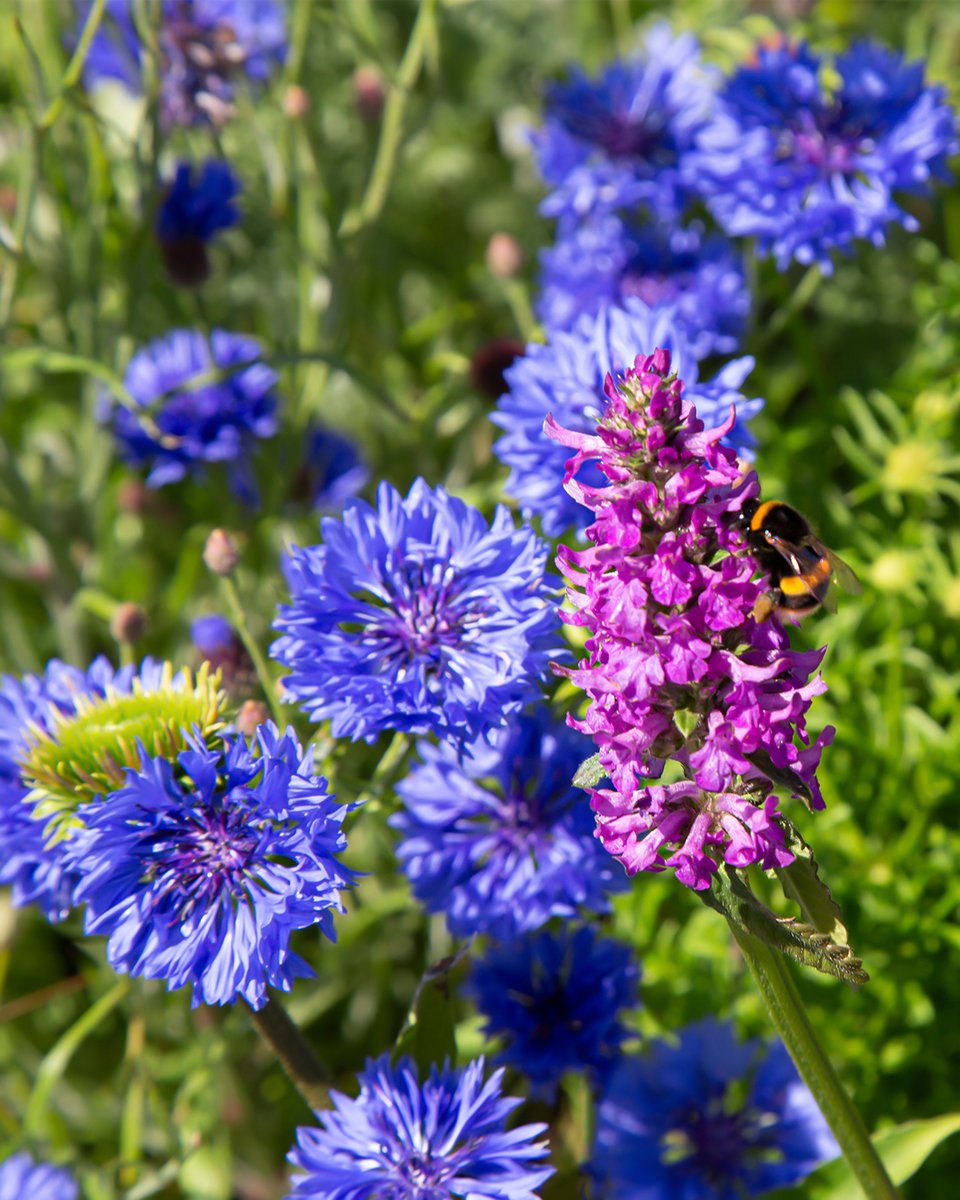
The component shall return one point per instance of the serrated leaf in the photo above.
(590, 772)
(902, 1150)
(805, 943)
(801, 883)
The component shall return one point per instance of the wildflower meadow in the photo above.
(479, 593)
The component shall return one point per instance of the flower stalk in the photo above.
(789, 1016)
(294, 1052)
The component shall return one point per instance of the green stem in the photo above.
(391, 130)
(295, 1054)
(786, 1009)
(239, 618)
(55, 1064)
(75, 65)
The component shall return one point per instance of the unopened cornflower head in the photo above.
(418, 615)
(205, 47)
(623, 140)
(496, 837)
(195, 206)
(198, 401)
(566, 376)
(609, 259)
(555, 998)
(808, 167)
(709, 1116)
(21, 1178)
(66, 738)
(676, 665)
(198, 871)
(443, 1138)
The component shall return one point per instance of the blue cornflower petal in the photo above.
(624, 139)
(198, 205)
(332, 471)
(37, 871)
(667, 1125)
(204, 45)
(23, 1179)
(443, 1139)
(565, 378)
(554, 997)
(495, 836)
(199, 877)
(807, 170)
(607, 260)
(181, 425)
(417, 616)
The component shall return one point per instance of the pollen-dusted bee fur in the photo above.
(801, 568)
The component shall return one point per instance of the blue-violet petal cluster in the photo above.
(495, 836)
(184, 419)
(609, 259)
(23, 1179)
(199, 876)
(205, 47)
(555, 998)
(195, 206)
(625, 139)
(676, 665)
(417, 615)
(332, 471)
(445, 1138)
(709, 1116)
(807, 169)
(565, 378)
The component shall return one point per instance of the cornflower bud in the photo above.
(220, 553)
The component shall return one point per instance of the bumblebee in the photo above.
(801, 568)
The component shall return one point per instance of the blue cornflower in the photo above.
(332, 471)
(608, 259)
(23, 1179)
(200, 875)
(416, 616)
(565, 378)
(192, 210)
(624, 139)
(212, 634)
(204, 47)
(495, 835)
(808, 169)
(709, 1116)
(184, 418)
(554, 997)
(30, 862)
(443, 1139)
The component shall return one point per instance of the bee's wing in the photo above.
(841, 573)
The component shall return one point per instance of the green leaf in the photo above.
(903, 1150)
(590, 772)
(729, 895)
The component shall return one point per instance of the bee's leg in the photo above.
(763, 608)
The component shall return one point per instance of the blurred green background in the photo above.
(374, 314)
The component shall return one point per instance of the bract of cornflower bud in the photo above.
(555, 997)
(676, 665)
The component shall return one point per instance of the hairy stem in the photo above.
(296, 1056)
(789, 1016)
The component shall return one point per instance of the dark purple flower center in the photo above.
(198, 59)
(197, 857)
(423, 618)
(827, 151)
(717, 1143)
